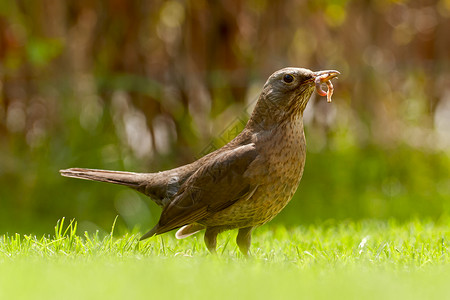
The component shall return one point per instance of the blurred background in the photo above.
(149, 85)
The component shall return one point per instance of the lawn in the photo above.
(344, 260)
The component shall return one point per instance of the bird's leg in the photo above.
(211, 238)
(244, 239)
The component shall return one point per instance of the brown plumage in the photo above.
(242, 185)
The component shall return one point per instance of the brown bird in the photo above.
(244, 184)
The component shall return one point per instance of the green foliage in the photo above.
(42, 51)
(399, 183)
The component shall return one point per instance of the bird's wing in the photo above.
(213, 187)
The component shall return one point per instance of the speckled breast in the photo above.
(284, 159)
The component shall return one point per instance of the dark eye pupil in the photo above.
(288, 78)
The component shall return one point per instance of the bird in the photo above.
(242, 185)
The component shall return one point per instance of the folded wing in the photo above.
(213, 187)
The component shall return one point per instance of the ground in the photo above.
(333, 260)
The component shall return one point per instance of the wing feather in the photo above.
(213, 187)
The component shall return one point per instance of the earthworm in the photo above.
(329, 92)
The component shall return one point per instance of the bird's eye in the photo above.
(288, 78)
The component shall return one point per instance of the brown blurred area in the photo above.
(147, 85)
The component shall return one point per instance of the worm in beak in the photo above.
(325, 77)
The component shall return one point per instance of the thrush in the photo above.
(242, 185)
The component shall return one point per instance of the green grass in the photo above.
(345, 260)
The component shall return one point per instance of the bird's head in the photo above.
(286, 93)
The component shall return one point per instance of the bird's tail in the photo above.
(123, 178)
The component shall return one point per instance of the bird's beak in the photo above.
(326, 75)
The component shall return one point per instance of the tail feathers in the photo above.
(151, 233)
(123, 178)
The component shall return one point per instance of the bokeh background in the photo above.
(150, 85)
